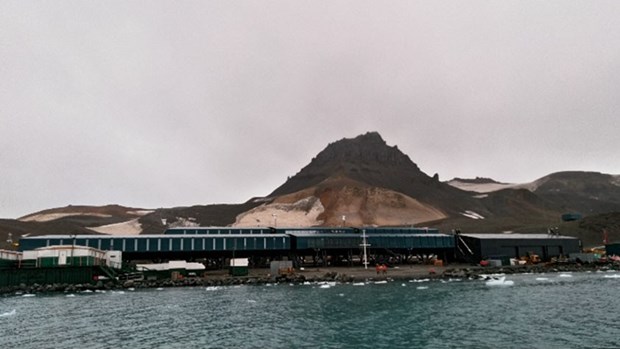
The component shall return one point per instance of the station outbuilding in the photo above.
(477, 247)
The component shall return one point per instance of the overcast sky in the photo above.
(159, 104)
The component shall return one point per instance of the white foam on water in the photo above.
(422, 288)
(28, 295)
(325, 286)
(565, 276)
(70, 295)
(613, 276)
(212, 288)
(159, 289)
(542, 279)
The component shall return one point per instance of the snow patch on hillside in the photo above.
(46, 217)
(303, 213)
(480, 187)
(140, 212)
(483, 188)
(472, 215)
(184, 222)
(131, 227)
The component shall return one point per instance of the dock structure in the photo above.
(320, 245)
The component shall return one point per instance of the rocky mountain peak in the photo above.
(366, 158)
(363, 150)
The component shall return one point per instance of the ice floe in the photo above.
(10, 313)
(501, 281)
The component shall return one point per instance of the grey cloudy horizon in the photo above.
(160, 104)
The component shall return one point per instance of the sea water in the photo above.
(535, 311)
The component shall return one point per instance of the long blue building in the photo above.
(322, 244)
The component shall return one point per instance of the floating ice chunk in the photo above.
(613, 276)
(542, 279)
(501, 281)
(212, 288)
(159, 289)
(380, 282)
(10, 313)
(422, 287)
(70, 295)
(28, 295)
(565, 276)
(359, 284)
(325, 286)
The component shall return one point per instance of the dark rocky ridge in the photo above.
(477, 180)
(583, 192)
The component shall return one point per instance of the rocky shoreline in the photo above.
(343, 275)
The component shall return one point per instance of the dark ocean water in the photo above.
(578, 310)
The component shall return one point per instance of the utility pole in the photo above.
(365, 245)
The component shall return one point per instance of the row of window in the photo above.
(175, 244)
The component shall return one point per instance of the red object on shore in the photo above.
(484, 263)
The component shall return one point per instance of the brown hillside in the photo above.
(327, 203)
